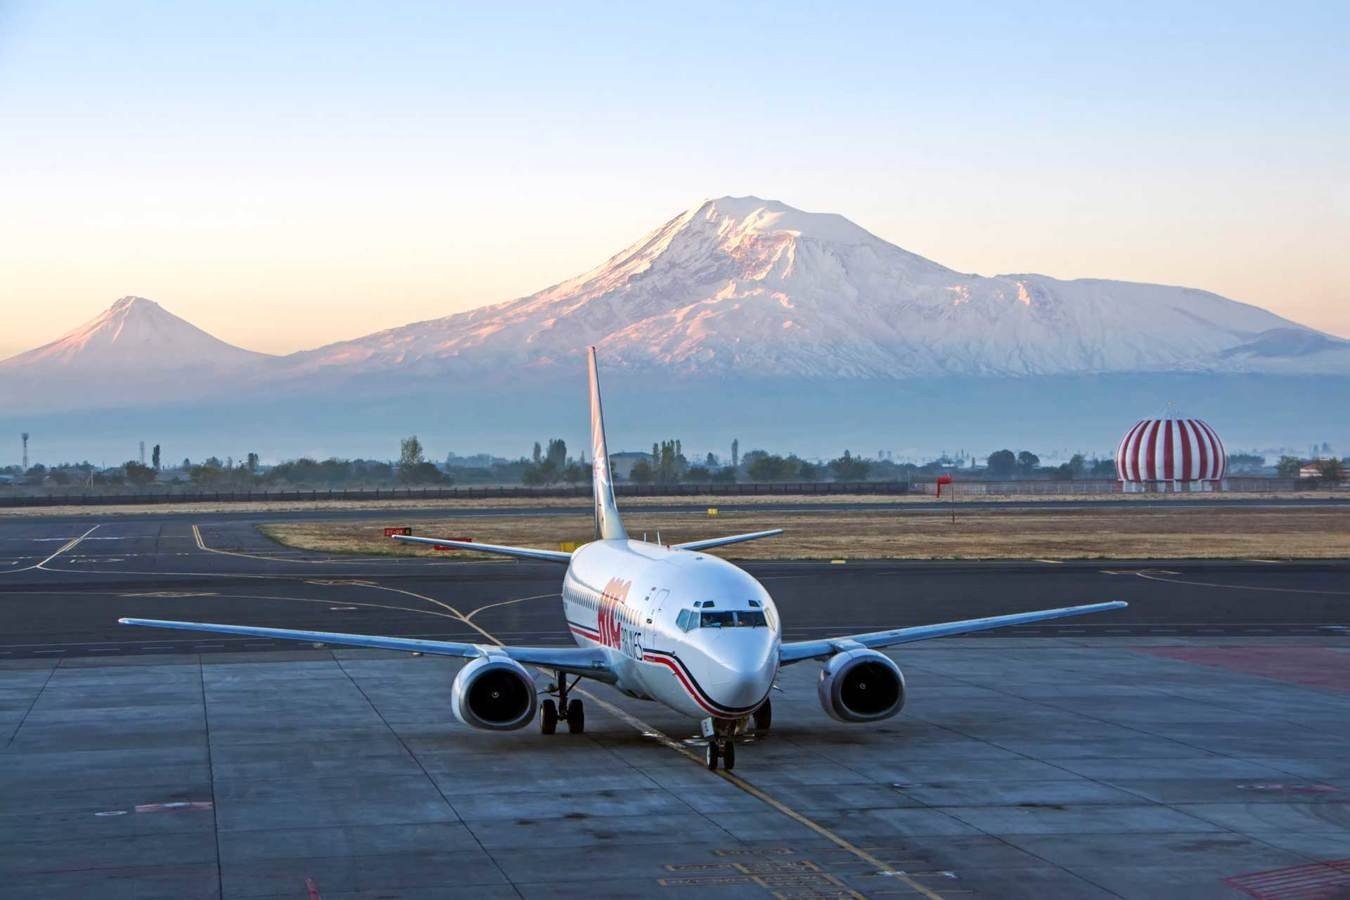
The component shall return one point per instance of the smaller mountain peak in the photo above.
(130, 302)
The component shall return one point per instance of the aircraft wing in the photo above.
(588, 661)
(521, 552)
(730, 539)
(796, 651)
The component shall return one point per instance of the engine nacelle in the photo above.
(861, 686)
(494, 693)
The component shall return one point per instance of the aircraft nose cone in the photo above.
(746, 672)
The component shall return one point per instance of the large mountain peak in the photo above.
(749, 286)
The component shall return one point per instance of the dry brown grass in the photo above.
(582, 504)
(1118, 533)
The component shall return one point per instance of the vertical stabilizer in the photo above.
(608, 525)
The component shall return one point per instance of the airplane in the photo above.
(667, 623)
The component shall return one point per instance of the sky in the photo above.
(286, 175)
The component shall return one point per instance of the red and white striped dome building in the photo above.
(1171, 455)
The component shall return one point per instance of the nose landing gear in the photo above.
(720, 750)
(573, 713)
(721, 742)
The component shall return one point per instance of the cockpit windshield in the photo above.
(730, 618)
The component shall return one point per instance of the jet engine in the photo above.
(494, 693)
(861, 685)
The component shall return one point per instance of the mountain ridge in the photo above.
(744, 286)
(747, 287)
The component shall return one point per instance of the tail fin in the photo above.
(608, 525)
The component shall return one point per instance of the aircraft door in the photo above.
(653, 636)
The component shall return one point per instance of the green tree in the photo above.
(848, 468)
(1001, 464)
(1332, 470)
(767, 467)
(154, 457)
(413, 467)
(410, 452)
(538, 453)
(252, 463)
(1288, 466)
(641, 473)
(138, 473)
(736, 453)
(557, 453)
(1027, 462)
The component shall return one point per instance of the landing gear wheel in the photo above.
(548, 717)
(711, 755)
(576, 717)
(729, 756)
(764, 716)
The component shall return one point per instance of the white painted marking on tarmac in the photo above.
(64, 547)
(53, 540)
(1053, 562)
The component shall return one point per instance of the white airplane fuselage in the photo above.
(646, 605)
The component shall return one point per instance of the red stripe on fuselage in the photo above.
(684, 681)
(585, 632)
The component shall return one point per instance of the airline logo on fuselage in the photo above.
(613, 624)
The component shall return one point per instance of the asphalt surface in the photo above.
(1193, 746)
(64, 588)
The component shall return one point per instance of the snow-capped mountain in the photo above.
(134, 335)
(748, 286)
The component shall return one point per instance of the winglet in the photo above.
(608, 525)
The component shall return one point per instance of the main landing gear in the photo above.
(763, 716)
(573, 713)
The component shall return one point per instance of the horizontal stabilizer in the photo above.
(557, 556)
(797, 651)
(730, 539)
(589, 661)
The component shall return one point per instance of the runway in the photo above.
(65, 587)
(1193, 746)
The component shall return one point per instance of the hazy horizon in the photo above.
(285, 179)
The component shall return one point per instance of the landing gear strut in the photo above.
(721, 746)
(572, 712)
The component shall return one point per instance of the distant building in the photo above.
(621, 464)
(1167, 455)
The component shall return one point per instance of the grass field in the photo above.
(1114, 533)
(582, 504)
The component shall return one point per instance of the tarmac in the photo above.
(1193, 747)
